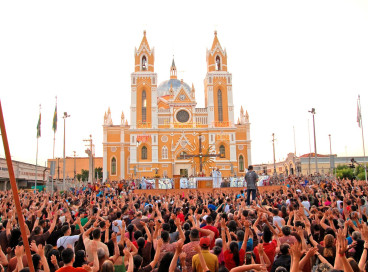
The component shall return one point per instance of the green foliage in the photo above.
(344, 171)
(98, 172)
(83, 176)
(361, 176)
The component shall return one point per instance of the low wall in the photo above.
(261, 189)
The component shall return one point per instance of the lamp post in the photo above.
(64, 117)
(313, 112)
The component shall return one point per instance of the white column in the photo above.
(133, 108)
(249, 149)
(210, 107)
(233, 152)
(154, 109)
(154, 138)
(230, 104)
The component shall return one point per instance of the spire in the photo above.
(241, 110)
(215, 42)
(193, 91)
(144, 42)
(246, 115)
(173, 70)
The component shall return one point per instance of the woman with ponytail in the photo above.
(233, 256)
(130, 233)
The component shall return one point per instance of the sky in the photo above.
(285, 57)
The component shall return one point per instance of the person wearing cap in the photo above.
(210, 259)
(188, 248)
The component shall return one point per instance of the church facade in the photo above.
(167, 134)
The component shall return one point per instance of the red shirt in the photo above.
(269, 249)
(215, 230)
(71, 269)
(181, 217)
(229, 261)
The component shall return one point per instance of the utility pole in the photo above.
(274, 158)
(64, 117)
(90, 155)
(75, 166)
(313, 112)
(331, 166)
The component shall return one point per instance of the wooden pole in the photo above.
(15, 191)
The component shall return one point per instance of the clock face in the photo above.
(182, 116)
(182, 97)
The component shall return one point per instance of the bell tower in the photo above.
(143, 112)
(218, 87)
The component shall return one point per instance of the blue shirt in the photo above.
(211, 206)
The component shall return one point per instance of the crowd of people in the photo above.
(306, 225)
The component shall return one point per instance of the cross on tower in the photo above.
(200, 155)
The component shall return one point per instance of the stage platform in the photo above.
(261, 189)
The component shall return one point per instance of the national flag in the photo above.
(39, 127)
(54, 121)
(359, 114)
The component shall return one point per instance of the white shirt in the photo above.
(306, 205)
(67, 240)
(116, 228)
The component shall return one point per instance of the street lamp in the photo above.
(313, 112)
(64, 117)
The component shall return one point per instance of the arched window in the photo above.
(241, 163)
(144, 63)
(218, 63)
(222, 151)
(164, 152)
(219, 105)
(144, 153)
(144, 107)
(113, 166)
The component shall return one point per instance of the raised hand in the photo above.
(19, 251)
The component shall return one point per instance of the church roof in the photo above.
(164, 87)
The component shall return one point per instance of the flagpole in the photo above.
(15, 192)
(53, 149)
(361, 126)
(38, 135)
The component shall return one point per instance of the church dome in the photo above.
(164, 87)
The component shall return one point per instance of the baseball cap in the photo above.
(205, 241)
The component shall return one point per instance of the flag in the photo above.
(54, 121)
(359, 114)
(39, 127)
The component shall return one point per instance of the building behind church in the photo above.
(165, 130)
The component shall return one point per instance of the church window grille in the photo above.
(219, 106)
(113, 166)
(182, 155)
(222, 151)
(144, 107)
(164, 152)
(144, 153)
(241, 163)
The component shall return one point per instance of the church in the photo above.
(167, 134)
